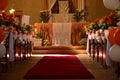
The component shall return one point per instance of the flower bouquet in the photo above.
(6, 19)
(46, 43)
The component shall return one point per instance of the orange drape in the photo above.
(46, 29)
(75, 3)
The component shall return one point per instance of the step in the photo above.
(59, 48)
(59, 52)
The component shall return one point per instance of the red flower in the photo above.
(6, 19)
(96, 20)
(113, 13)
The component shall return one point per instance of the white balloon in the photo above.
(111, 4)
(114, 53)
(2, 50)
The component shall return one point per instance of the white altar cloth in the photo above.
(61, 34)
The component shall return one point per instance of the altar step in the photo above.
(59, 50)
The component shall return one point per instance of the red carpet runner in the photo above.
(58, 67)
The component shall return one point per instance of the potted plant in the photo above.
(45, 16)
(39, 36)
(78, 15)
(46, 43)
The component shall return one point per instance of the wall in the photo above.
(95, 8)
(29, 7)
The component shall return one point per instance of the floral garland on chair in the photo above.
(103, 23)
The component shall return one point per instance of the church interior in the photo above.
(59, 39)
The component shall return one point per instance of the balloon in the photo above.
(111, 35)
(2, 35)
(117, 36)
(114, 53)
(3, 4)
(2, 50)
(111, 4)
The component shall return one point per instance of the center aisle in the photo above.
(96, 69)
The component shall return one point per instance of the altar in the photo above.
(63, 10)
(61, 34)
(61, 29)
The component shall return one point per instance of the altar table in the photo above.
(48, 34)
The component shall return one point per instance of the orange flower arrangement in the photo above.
(104, 22)
(87, 26)
(111, 19)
